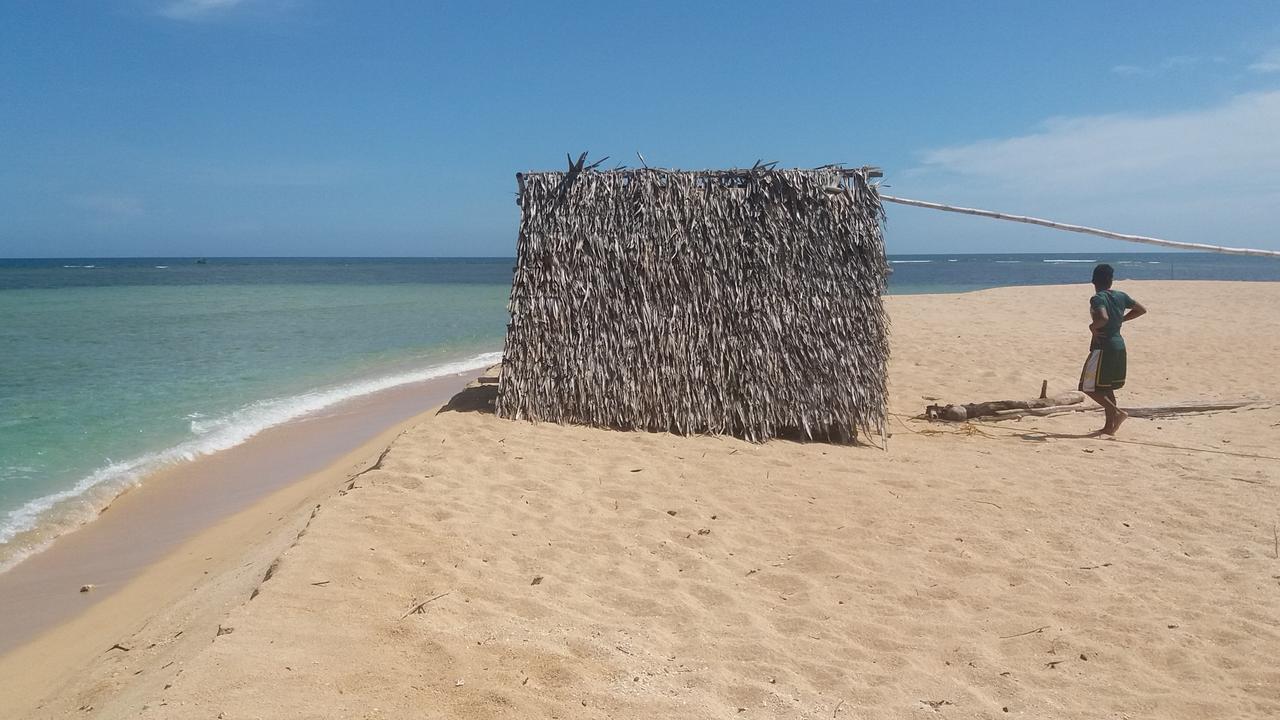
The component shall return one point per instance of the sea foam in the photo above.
(31, 527)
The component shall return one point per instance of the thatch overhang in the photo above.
(743, 302)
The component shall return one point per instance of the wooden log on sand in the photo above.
(994, 408)
(1148, 411)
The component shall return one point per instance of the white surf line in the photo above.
(1083, 229)
(222, 433)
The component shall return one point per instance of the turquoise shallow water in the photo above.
(110, 369)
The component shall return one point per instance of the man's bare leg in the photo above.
(1118, 416)
(1108, 407)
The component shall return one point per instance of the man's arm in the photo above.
(1137, 312)
(1100, 318)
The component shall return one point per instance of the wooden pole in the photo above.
(1082, 229)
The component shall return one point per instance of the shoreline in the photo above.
(188, 526)
(42, 520)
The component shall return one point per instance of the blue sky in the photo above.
(314, 127)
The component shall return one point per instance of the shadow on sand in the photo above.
(476, 398)
(1045, 436)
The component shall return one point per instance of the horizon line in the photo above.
(513, 257)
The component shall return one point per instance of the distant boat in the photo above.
(202, 261)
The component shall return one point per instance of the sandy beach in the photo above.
(164, 539)
(486, 568)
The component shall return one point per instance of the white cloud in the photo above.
(196, 9)
(1072, 155)
(1127, 70)
(1207, 175)
(1167, 65)
(1268, 63)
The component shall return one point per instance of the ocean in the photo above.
(963, 273)
(112, 369)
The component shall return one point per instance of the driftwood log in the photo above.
(1035, 409)
(995, 408)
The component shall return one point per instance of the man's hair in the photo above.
(1103, 275)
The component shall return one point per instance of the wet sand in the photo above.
(170, 507)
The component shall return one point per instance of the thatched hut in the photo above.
(745, 302)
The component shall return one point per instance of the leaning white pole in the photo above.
(1082, 228)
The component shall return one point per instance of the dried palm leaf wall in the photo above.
(745, 302)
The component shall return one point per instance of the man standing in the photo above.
(1104, 371)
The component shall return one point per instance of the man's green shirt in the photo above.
(1116, 303)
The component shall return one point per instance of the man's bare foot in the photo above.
(1120, 417)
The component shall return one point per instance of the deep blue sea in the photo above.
(110, 369)
(962, 273)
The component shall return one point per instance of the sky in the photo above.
(326, 128)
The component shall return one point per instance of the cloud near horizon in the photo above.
(1207, 175)
(1268, 62)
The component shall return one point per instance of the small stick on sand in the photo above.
(421, 607)
(837, 708)
(1042, 628)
